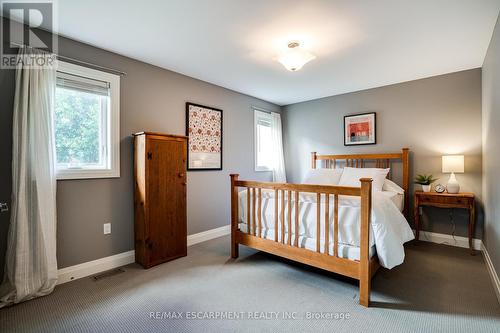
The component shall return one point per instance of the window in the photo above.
(86, 123)
(263, 139)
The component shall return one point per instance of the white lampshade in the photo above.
(453, 163)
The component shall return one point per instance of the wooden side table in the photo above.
(446, 200)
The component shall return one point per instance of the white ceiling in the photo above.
(234, 43)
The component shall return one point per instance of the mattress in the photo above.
(349, 214)
(344, 250)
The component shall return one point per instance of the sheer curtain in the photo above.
(31, 266)
(279, 174)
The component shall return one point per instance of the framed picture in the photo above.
(360, 129)
(204, 132)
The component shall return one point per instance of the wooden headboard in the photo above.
(380, 160)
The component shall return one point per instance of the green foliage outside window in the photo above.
(77, 127)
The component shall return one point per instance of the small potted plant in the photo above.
(425, 181)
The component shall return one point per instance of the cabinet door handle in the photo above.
(181, 174)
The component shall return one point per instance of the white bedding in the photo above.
(397, 198)
(389, 229)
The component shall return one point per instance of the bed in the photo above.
(351, 227)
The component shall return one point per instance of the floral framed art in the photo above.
(204, 132)
(360, 129)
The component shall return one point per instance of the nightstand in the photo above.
(446, 200)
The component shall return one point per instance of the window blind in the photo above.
(83, 84)
(263, 119)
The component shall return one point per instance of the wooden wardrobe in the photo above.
(160, 197)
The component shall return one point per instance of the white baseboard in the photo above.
(104, 264)
(95, 266)
(493, 273)
(458, 241)
(208, 235)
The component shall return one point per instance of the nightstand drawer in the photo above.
(445, 200)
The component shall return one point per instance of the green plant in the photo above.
(425, 179)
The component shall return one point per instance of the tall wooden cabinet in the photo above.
(160, 197)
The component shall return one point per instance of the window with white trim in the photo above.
(86, 123)
(263, 152)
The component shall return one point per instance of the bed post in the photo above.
(364, 260)
(313, 160)
(234, 216)
(406, 180)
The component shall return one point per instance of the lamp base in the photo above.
(453, 186)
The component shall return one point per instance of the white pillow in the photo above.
(323, 176)
(351, 176)
(391, 186)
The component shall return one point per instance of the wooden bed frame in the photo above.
(362, 270)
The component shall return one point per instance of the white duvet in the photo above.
(389, 228)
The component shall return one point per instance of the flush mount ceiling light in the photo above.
(295, 57)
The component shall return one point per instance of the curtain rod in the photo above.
(78, 62)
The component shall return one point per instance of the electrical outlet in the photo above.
(107, 228)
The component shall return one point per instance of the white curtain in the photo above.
(31, 267)
(279, 174)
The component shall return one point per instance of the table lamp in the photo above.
(452, 164)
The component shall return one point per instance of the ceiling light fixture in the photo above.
(295, 57)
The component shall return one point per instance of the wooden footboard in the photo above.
(289, 248)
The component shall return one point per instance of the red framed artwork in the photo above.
(204, 131)
(360, 129)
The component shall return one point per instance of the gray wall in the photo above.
(491, 148)
(432, 117)
(152, 99)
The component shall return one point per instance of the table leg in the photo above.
(417, 221)
(472, 221)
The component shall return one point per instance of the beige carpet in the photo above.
(438, 289)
